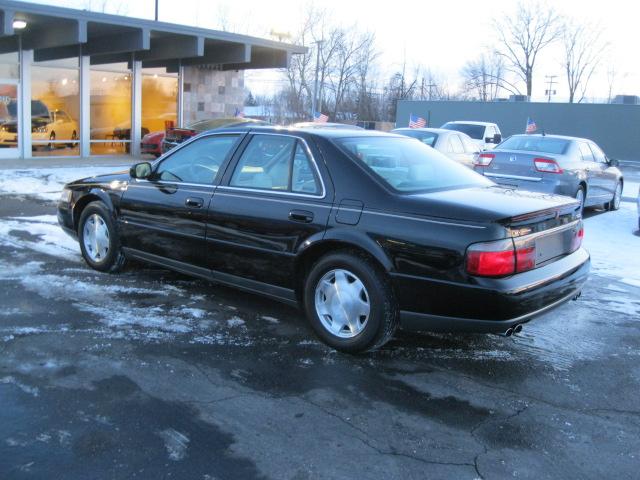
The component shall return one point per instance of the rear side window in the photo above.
(428, 138)
(276, 162)
(456, 144)
(535, 143)
(585, 152)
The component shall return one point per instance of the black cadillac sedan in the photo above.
(365, 231)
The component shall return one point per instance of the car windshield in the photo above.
(409, 166)
(211, 124)
(428, 138)
(529, 143)
(474, 131)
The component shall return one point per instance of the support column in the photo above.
(24, 107)
(181, 96)
(85, 106)
(136, 107)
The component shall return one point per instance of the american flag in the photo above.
(319, 117)
(239, 113)
(531, 126)
(417, 122)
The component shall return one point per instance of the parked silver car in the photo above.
(455, 145)
(571, 166)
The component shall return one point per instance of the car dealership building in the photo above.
(78, 83)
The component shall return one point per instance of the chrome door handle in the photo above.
(194, 202)
(302, 216)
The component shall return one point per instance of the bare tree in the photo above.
(583, 50)
(524, 35)
(485, 78)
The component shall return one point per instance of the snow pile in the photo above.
(609, 238)
(46, 183)
(43, 234)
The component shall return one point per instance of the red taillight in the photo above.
(501, 258)
(577, 239)
(484, 159)
(546, 165)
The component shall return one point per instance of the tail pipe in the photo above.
(513, 330)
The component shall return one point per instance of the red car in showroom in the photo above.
(152, 143)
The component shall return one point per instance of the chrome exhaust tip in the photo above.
(517, 328)
(508, 332)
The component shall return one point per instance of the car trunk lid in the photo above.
(513, 165)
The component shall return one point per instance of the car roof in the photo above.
(320, 132)
(442, 131)
(344, 126)
(471, 122)
(562, 137)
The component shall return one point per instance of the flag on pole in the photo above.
(531, 126)
(319, 117)
(416, 122)
(239, 113)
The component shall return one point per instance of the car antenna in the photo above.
(543, 134)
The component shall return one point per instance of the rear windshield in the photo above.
(529, 143)
(428, 138)
(409, 166)
(474, 131)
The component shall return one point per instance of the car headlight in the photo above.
(65, 196)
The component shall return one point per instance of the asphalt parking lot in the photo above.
(151, 374)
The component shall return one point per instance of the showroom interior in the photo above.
(78, 83)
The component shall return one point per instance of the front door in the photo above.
(271, 200)
(164, 215)
(9, 115)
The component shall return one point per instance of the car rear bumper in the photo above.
(490, 305)
(556, 184)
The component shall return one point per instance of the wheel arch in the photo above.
(333, 242)
(91, 196)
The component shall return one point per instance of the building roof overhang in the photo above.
(56, 33)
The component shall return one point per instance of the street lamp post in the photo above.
(315, 83)
(156, 10)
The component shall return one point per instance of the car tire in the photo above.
(614, 204)
(99, 241)
(74, 138)
(580, 195)
(367, 296)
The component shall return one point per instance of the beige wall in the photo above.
(211, 93)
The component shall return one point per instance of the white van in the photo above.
(487, 135)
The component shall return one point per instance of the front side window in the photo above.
(409, 166)
(197, 162)
(276, 162)
(598, 154)
(585, 152)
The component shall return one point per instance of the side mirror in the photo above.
(497, 138)
(488, 139)
(613, 162)
(140, 170)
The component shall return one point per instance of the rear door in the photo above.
(272, 199)
(165, 215)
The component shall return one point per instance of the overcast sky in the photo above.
(439, 35)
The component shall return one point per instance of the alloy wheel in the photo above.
(96, 238)
(342, 303)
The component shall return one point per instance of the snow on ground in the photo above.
(615, 249)
(44, 236)
(631, 189)
(46, 183)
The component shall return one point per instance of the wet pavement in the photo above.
(151, 374)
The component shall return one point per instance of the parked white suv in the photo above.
(487, 135)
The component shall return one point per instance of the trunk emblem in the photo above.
(512, 158)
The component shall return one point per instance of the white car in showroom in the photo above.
(46, 127)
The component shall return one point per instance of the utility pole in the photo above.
(156, 10)
(550, 82)
(315, 83)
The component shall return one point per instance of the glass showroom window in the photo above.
(110, 109)
(55, 107)
(159, 100)
(9, 72)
